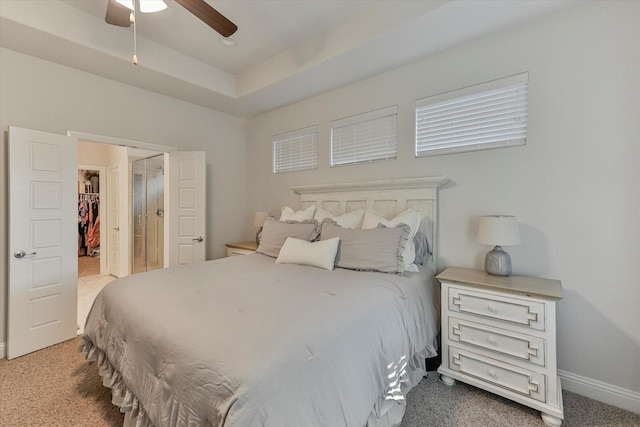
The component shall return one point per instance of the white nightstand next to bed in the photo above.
(241, 248)
(499, 334)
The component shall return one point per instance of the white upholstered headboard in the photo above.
(389, 197)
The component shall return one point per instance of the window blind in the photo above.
(296, 150)
(365, 137)
(480, 117)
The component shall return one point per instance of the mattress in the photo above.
(243, 341)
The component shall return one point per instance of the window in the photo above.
(296, 150)
(364, 138)
(488, 115)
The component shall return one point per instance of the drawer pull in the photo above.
(533, 317)
(492, 374)
(455, 330)
(533, 386)
(532, 351)
(455, 301)
(492, 309)
(491, 340)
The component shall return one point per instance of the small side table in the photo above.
(499, 334)
(241, 248)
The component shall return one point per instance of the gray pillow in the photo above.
(422, 248)
(275, 233)
(375, 249)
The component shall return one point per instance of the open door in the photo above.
(43, 265)
(113, 220)
(186, 176)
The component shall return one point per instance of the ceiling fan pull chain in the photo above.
(132, 18)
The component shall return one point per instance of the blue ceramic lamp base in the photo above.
(497, 262)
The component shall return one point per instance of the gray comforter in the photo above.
(243, 341)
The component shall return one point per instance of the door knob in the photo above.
(199, 239)
(116, 228)
(22, 254)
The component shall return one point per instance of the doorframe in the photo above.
(133, 145)
(130, 143)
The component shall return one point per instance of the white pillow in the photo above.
(411, 217)
(351, 219)
(289, 215)
(317, 254)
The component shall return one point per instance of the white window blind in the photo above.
(296, 150)
(364, 138)
(480, 117)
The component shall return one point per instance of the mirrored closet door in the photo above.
(148, 214)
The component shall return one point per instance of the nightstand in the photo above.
(499, 334)
(241, 248)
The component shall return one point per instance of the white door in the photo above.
(43, 240)
(186, 176)
(113, 220)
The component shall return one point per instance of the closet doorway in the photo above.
(148, 214)
(89, 220)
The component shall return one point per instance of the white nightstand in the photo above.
(241, 248)
(499, 334)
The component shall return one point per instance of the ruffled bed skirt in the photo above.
(387, 412)
(121, 396)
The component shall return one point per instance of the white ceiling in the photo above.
(287, 49)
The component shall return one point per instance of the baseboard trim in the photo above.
(3, 350)
(600, 391)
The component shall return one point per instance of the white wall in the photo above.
(41, 95)
(574, 187)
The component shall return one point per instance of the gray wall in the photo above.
(44, 96)
(574, 187)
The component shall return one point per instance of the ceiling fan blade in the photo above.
(209, 16)
(117, 14)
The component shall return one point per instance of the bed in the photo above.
(252, 341)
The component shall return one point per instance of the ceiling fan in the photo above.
(118, 14)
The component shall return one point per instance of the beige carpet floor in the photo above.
(57, 387)
(54, 387)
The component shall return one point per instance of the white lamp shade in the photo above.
(146, 6)
(150, 6)
(259, 218)
(500, 230)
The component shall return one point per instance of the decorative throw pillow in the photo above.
(320, 254)
(376, 249)
(421, 245)
(275, 233)
(351, 219)
(289, 215)
(411, 217)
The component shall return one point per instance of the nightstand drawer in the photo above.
(236, 251)
(502, 341)
(513, 310)
(241, 248)
(512, 378)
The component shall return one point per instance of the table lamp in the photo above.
(258, 221)
(498, 230)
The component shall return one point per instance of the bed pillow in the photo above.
(411, 217)
(320, 254)
(275, 233)
(377, 249)
(421, 245)
(351, 219)
(289, 215)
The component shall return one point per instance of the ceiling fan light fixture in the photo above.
(228, 41)
(150, 6)
(126, 3)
